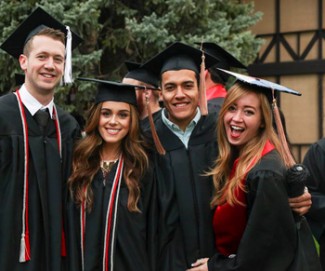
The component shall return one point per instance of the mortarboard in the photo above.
(226, 59)
(113, 91)
(33, 24)
(261, 84)
(135, 71)
(178, 56)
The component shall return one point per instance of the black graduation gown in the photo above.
(270, 237)
(184, 194)
(315, 162)
(47, 178)
(215, 104)
(135, 244)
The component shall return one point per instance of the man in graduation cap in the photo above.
(189, 139)
(215, 80)
(148, 97)
(35, 148)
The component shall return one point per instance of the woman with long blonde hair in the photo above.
(111, 187)
(254, 226)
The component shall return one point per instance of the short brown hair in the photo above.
(48, 32)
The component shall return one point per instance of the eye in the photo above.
(41, 57)
(249, 112)
(58, 60)
(123, 115)
(189, 85)
(169, 87)
(232, 108)
(106, 113)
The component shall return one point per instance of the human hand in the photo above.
(301, 204)
(200, 265)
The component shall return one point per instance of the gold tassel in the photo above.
(202, 91)
(159, 146)
(289, 160)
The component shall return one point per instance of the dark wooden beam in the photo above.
(287, 68)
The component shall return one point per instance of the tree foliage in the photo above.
(115, 31)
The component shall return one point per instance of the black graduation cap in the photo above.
(113, 91)
(135, 71)
(178, 56)
(33, 24)
(226, 60)
(261, 84)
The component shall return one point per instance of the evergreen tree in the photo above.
(119, 30)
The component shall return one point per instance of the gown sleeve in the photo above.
(269, 239)
(315, 162)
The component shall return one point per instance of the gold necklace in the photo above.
(106, 166)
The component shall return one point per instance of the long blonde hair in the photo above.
(86, 160)
(249, 155)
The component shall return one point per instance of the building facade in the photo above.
(293, 55)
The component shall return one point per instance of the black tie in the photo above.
(42, 118)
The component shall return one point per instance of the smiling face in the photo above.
(180, 94)
(114, 122)
(43, 65)
(243, 119)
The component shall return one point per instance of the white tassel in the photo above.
(68, 58)
(22, 250)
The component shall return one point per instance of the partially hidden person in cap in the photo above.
(112, 207)
(254, 226)
(314, 160)
(215, 80)
(147, 97)
(35, 148)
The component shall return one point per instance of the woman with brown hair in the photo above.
(112, 188)
(254, 226)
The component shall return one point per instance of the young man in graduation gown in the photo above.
(36, 139)
(189, 139)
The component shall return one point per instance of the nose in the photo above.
(179, 92)
(113, 120)
(237, 116)
(49, 63)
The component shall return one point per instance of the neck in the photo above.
(43, 98)
(110, 153)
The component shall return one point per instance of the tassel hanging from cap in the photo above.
(289, 160)
(159, 146)
(202, 89)
(68, 58)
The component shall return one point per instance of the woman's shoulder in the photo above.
(269, 166)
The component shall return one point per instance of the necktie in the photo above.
(42, 117)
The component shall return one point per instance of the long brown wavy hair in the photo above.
(86, 160)
(249, 155)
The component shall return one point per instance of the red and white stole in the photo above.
(25, 251)
(110, 225)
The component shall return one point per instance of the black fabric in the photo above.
(184, 194)
(47, 178)
(270, 238)
(315, 162)
(145, 123)
(214, 105)
(135, 246)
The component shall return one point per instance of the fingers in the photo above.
(199, 265)
(301, 204)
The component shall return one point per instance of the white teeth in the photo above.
(180, 105)
(48, 75)
(236, 128)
